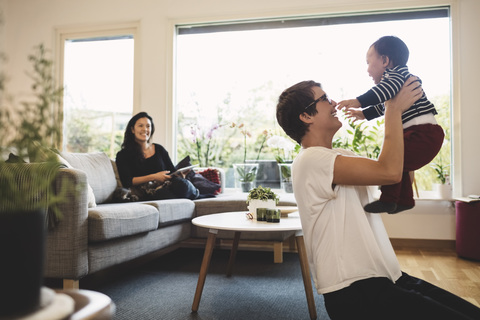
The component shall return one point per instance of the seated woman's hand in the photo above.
(162, 176)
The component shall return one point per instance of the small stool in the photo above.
(468, 226)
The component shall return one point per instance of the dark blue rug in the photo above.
(258, 289)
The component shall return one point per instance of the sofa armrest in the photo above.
(66, 249)
(221, 175)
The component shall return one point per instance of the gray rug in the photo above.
(258, 289)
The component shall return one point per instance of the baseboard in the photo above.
(422, 243)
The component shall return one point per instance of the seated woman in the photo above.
(145, 167)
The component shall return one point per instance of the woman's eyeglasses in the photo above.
(322, 98)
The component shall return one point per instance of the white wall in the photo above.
(30, 22)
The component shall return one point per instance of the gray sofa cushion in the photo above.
(237, 201)
(115, 220)
(99, 171)
(173, 211)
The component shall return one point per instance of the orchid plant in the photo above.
(204, 143)
(248, 174)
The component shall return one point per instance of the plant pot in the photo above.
(246, 186)
(22, 245)
(286, 177)
(443, 191)
(267, 174)
(245, 174)
(254, 204)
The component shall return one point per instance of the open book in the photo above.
(178, 171)
(183, 166)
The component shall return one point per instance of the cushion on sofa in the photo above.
(229, 202)
(173, 210)
(115, 220)
(98, 168)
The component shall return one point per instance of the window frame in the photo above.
(451, 13)
(97, 31)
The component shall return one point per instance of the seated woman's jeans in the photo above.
(178, 188)
(183, 188)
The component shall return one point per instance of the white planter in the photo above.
(443, 191)
(254, 204)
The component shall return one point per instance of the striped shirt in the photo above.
(392, 81)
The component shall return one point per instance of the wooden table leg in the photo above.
(277, 252)
(233, 253)
(204, 268)
(306, 277)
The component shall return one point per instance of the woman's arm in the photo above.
(162, 156)
(161, 176)
(125, 171)
(389, 166)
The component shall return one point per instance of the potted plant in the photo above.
(286, 150)
(443, 188)
(246, 172)
(261, 197)
(26, 189)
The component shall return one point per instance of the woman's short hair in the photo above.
(291, 104)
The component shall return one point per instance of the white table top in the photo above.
(238, 221)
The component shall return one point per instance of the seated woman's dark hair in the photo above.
(291, 104)
(129, 137)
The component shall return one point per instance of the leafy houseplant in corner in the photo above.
(261, 197)
(26, 189)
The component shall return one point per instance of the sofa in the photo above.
(95, 233)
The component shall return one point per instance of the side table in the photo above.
(237, 222)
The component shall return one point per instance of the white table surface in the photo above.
(238, 221)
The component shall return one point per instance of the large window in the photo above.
(98, 98)
(234, 73)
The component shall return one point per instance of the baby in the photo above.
(423, 137)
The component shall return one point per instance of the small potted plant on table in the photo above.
(261, 197)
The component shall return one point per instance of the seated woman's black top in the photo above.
(130, 165)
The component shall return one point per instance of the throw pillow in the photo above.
(212, 175)
(204, 185)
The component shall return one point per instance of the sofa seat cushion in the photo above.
(115, 220)
(173, 211)
(235, 201)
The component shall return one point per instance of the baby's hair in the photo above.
(393, 48)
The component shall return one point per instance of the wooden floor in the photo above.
(441, 266)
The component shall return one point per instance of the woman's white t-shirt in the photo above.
(344, 243)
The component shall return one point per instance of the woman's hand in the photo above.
(161, 176)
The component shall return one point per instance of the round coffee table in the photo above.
(238, 222)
